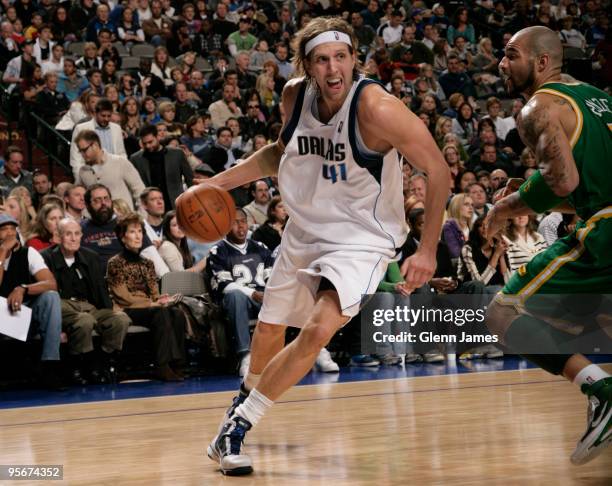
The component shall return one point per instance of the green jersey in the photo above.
(591, 144)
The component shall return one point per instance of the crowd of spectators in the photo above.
(154, 93)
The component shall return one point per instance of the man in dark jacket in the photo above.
(85, 303)
(161, 167)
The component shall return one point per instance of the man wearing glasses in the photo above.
(109, 134)
(114, 171)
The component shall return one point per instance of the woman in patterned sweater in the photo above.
(524, 242)
(133, 288)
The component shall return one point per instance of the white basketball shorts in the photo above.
(290, 292)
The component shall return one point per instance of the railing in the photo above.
(46, 138)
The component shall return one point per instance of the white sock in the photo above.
(589, 375)
(254, 407)
(251, 380)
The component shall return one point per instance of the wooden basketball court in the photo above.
(502, 428)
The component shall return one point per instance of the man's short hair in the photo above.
(12, 149)
(71, 188)
(147, 130)
(89, 136)
(104, 104)
(220, 130)
(92, 71)
(492, 101)
(145, 194)
(93, 188)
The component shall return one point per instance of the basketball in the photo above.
(205, 212)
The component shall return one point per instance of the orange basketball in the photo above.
(205, 212)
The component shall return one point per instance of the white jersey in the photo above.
(335, 189)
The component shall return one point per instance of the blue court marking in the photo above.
(209, 384)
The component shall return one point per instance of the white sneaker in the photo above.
(325, 363)
(244, 365)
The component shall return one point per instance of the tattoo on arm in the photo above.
(544, 134)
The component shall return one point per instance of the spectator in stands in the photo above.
(174, 249)
(444, 125)
(55, 63)
(109, 134)
(43, 44)
(456, 229)
(465, 126)
(81, 13)
(131, 123)
(99, 231)
(157, 29)
(420, 52)
(524, 242)
(165, 168)
(89, 60)
(285, 67)
(41, 186)
(74, 198)
(20, 67)
(61, 26)
(9, 48)
(241, 39)
(13, 175)
(271, 231)
(417, 186)
(455, 80)
(257, 210)
(549, 226)
(85, 306)
(101, 167)
(26, 280)
(128, 30)
(238, 269)
(183, 106)
(461, 27)
(483, 260)
(478, 194)
(224, 108)
(24, 195)
(371, 15)
(99, 22)
(571, 37)
(460, 49)
(44, 233)
(451, 155)
(160, 67)
(365, 33)
(499, 177)
(70, 82)
(502, 125)
(390, 33)
(51, 104)
(490, 159)
(133, 288)
(15, 207)
(152, 202)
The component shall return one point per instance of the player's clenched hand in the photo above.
(493, 224)
(418, 269)
(512, 185)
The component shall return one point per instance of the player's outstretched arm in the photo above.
(264, 162)
(398, 127)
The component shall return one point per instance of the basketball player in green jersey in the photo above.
(568, 125)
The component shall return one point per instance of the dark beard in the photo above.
(102, 216)
(523, 87)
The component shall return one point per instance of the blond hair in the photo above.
(310, 31)
(454, 208)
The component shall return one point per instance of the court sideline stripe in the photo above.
(367, 395)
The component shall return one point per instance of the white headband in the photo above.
(329, 36)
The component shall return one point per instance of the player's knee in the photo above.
(270, 331)
(500, 316)
(315, 336)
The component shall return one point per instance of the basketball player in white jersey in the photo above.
(340, 175)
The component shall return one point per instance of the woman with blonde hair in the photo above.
(451, 155)
(121, 208)
(23, 194)
(160, 66)
(265, 88)
(45, 232)
(456, 229)
(444, 125)
(15, 206)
